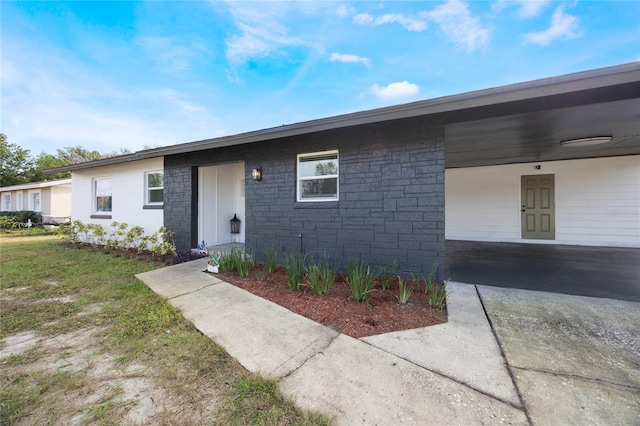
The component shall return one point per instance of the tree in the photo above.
(46, 161)
(16, 163)
(78, 154)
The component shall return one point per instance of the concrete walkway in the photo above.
(454, 373)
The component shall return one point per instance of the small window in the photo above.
(6, 202)
(34, 201)
(102, 195)
(318, 176)
(154, 184)
(19, 204)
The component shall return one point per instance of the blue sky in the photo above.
(113, 75)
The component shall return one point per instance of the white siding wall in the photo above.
(60, 201)
(597, 202)
(128, 195)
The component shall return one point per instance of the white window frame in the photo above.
(5, 207)
(300, 179)
(32, 206)
(147, 189)
(19, 201)
(94, 196)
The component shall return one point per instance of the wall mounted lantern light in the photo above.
(256, 174)
(596, 140)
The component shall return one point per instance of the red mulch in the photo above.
(383, 313)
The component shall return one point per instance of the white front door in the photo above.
(220, 196)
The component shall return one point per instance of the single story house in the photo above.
(50, 198)
(548, 162)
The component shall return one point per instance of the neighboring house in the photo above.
(50, 198)
(517, 163)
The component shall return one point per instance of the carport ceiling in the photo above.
(535, 136)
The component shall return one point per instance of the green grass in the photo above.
(49, 288)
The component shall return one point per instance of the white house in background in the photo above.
(129, 192)
(50, 198)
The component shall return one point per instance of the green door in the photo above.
(538, 207)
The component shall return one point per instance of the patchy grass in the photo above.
(107, 350)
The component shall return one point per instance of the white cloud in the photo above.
(261, 31)
(345, 57)
(408, 23)
(457, 23)
(55, 101)
(344, 11)
(563, 27)
(401, 89)
(527, 8)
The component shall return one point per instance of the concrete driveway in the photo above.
(575, 360)
(506, 356)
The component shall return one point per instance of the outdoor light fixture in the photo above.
(256, 174)
(597, 140)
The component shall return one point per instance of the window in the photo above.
(102, 195)
(318, 176)
(19, 204)
(6, 202)
(154, 187)
(34, 201)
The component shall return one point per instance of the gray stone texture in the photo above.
(391, 195)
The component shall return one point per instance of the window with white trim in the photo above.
(34, 201)
(154, 188)
(6, 202)
(318, 176)
(19, 203)
(102, 195)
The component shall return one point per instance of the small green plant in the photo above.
(320, 277)
(295, 270)
(360, 279)
(244, 263)
(405, 291)
(429, 281)
(417, 278)
(261, 273)
(271, 257)
(229, 259)
(387, 272)
(438, 296)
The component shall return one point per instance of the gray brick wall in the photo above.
(391, 202)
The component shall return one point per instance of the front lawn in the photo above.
(83, 341)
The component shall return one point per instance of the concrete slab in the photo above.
(575, 359)
(463, 349)
(263, 336)
(179, 279)
(360, 384)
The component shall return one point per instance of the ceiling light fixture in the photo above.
(597, 140)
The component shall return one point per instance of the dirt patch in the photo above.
(382, 314)
(96, 378)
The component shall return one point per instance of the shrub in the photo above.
(8, 222)
(261, 273)
(405, 291)
(295, 270)
(229, 260)
(360, 279)
(271, 257)
(438, 296)
(320, 277)
(387, 272)
(244, 263)
(429, 281)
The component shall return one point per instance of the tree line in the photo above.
(19, 166)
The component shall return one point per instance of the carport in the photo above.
(609, 272)
(590, 242)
